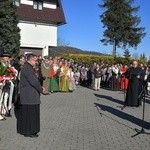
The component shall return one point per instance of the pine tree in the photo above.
(121, 26)
(9, 32)
(143, 57)
(127, 53)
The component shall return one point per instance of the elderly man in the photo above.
(134, 74)
(29, 121)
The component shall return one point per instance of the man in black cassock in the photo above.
(134, 74)
(29, 120)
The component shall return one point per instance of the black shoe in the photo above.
(46, 93)
(26, 135)
(8, 115)
(32, 135)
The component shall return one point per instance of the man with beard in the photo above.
(134, 74)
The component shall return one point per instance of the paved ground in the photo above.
(82, 120)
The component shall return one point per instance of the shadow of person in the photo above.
(124, 116)
(109, 98)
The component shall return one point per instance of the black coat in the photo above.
(134, 86)
(30, 87)
(97, 73)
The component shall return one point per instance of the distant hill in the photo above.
(61, 50)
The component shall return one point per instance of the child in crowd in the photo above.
(72, 85)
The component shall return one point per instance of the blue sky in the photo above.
(84, 28)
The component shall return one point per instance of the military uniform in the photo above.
(45, 68)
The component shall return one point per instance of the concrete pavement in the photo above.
(82, 120)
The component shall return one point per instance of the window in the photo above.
(16, 2)
(38, 5)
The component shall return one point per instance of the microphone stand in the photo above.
(142, 94)
(124, 90)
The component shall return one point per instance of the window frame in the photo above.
(16, 3)
(38, 5)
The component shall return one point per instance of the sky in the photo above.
(84, 28)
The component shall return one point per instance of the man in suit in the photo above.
(28, 123)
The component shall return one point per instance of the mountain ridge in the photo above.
(61, 50)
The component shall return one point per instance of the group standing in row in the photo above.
(56, 75)
(29, 75)
(132, 79)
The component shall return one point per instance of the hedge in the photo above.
(90, 59)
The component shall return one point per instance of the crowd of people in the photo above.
(29, 75)
(56, 75)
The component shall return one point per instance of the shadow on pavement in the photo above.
(109, 98)
(123, 115)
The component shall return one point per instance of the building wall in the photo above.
(35, 34)
(27, 2)
(45, 4)
(39, 36)
(48, 5)
(26, 50)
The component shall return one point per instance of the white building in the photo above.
(38, 23)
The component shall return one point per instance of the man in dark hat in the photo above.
(8, 89)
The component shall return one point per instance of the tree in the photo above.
(9, 32)
(62, 42)
(127, 53)
(143, 57)
(121, 26)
